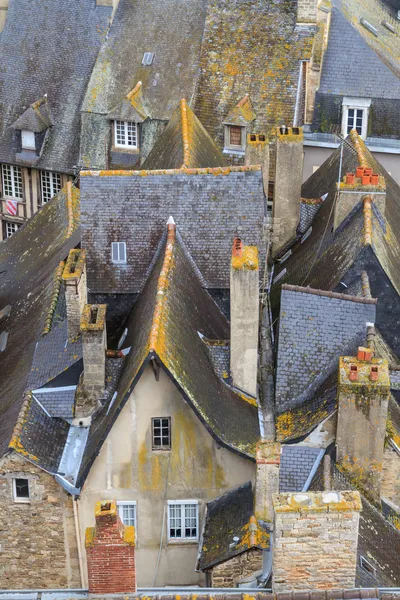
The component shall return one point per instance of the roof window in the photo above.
(388, 26)
(366, 566)
(147, 59)
(369, 27)
(280, 276)
(3, 340)
(306, 235)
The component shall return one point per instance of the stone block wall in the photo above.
(307, 11)
(37, 539)
(316, 540)
(229, 573)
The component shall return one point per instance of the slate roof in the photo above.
(57, 63)
(297, 464)
(308, 210)
(58, 402)
(29, 261)
(36, 118)
(184, 143)
(165, 323)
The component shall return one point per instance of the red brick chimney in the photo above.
(110, 551)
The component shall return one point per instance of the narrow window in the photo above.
(235, 136)
(118, 252)
(28, 140)
(183, 519)
(127, 512)
(161, 427)
(366, 566)
(12, 181)
(50, 184)
(21, 490)
(126, 134)
(11, 228)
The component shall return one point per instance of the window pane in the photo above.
(161, 430)
(21, 488)
(11, 228)
(120, 132)
(12, 181)
(235, 136)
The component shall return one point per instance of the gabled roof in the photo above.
(132, 107)
(36, 118)
(29, 264)
(167, 322)
(241, 114)
(184, 144)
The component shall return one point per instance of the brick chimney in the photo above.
(287, 189)
(306, 11)
(268, 458)
(363, 397)
(110, 551)
(94, 345)
(244, 283)
(74, 276)
(316, 536)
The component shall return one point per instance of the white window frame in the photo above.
(28, 140)
(13, 226)
(121, 504)
(118, 246)
(51, 185)
(15, 175)
(124, 126)
(15, 497)
(228, 147)
(183, 504)
(362, 104)
(161, 447)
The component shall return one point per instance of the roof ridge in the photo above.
(135, 90)
(15, 441)
(185, 134)
(184, 170)
(162, 286)
(243, 100)
(54, 298)
(367, 211)
(359, 148)
(315, 292)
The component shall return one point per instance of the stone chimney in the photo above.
(244, 283)
(257, 153)
(94, 345)
(74, 276)
(363, 397)
(287, 189)
(316, 536)
(268, 458)
(110, 551)
(306, 11)
(357, 188)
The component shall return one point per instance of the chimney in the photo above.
(287, 189)
(358, 188)
(316, 536)
(244, 282)
(74, 276)
(363, 397)
(110, 551)
(94, 345)
(268, 458)
(306, 12)
(257, 153)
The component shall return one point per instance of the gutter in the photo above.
(78, 540)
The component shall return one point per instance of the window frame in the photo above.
(11, 223)
(356, 104)
(126, 135)
(52, 185)
(24, 132)
(162, 447)
(26, 500)
(121, 504)
(228, 147)
(13, 169)
(367, 566)
(119, 261)
(182, 503)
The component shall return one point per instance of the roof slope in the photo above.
(166, 322)
(28, 282)
(184, 143)
(57, 63)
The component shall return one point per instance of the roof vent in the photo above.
(3, 340)
(388, 26)
(368, 26)
(148, 58)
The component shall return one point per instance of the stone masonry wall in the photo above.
(228, 574)
(316, 541)
(37, 540)
(307, 11)
(390, 484)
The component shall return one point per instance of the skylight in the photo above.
(148, 58)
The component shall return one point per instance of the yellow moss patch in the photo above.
(129, 535)
(89, 536)
(248, 260)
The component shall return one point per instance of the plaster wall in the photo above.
(128, 469)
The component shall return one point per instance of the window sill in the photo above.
(182, 542)
(125, 149)
(21, 500)
(234, 152)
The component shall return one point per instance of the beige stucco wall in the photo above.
(128, 469)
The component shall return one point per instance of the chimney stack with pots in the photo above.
(244, 283)
(74, 276)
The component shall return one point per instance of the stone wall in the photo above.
(307, 11)
(390, 485)
(38, 544)
(228, 574)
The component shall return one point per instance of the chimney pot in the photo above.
(350, 178)
(237, 248)
(353, 373)
(374, 374)
(359, 172)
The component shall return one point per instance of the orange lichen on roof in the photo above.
(312, 201)
(185, 134)
(135, 97)
(367, 210)
(242, 110)
(247, 260)
(75, 264)
(54, 298)
(15, 438)
(72, 199)
(253, 535)
(359, 147)
(194, 171)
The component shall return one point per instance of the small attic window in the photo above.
(126, 134)
(148, 58)
(28, 140)
(118, 252)
(235, 138)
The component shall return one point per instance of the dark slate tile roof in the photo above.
(169, 329)
(296, 466)
(314, 330)
(59, 402)
(29, 261)
(395, 380)
(220, 358)
(346, 47)
(184, 143)
(308, 210)
(49, 49)
(210, 208)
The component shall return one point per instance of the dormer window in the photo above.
(28, 140)
(126, 134)
(236, 124)
(355, 115)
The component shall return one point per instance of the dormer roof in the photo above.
(36, 118)
(132, 107)
(242, 113)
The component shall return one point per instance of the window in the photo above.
(235, 138)
(355, 120)
(28, 140)
(355, 116)
(21, 490)
(126, 134)
(161, 433)
(183, 519)
(366, 566)
(147, 59)
(50, 184)
(12, 181)
(127, 512)
(118, 252)
(11, 228)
